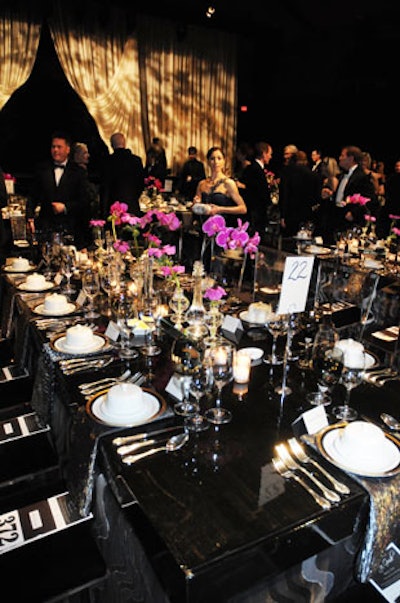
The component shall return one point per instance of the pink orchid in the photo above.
(396, 231)
(394, 217)
(252, 245)
(121, 246)
(357, 199)
(213, 225)
(214, 293)
(152, 238)
(170, 220)
(370, 218)
(97, 223)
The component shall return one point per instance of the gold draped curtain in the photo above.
(152, 78)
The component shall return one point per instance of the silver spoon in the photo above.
(390, 421)
(174, 443)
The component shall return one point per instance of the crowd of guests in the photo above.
(315, 189)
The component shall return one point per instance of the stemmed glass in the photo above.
(277, 325)
(187, 360)
(198, 387)
(109, 280)
(352, 376)
(91, 287)
(47, 256)
(327, 363)
(67, 268)
(125, 310)
(220, 357)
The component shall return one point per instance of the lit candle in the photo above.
(241, 368)
(220, 356)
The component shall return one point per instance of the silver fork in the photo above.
(137, 379)
(303, 457)
(282, 469)
(87, 388)
(291, 464)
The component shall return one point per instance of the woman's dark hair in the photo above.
(211, 151)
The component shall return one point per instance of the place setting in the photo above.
(18, 264)
(55, 304)
(125, 405)
(36, 282)
(79, 339)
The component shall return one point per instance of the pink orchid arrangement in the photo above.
(153, 185)
(214, 294)
(357, 199)
(134, 226)
(228, 237)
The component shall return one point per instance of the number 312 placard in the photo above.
(295, 284)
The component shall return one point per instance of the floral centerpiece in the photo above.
(9, 181)
(153, 186)
(356, 199)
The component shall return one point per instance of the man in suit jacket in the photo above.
(353, 180)
(122, 178)
(256, 193)
(59, 189)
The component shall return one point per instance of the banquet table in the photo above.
(212, 521)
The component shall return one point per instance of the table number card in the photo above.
(80, 300)
(387, 577)
(58, 278)
(231, 324)
(295, 284)
(112, 331)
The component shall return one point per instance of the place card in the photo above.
(22, 526)
(387, 576)
(80, 300)
(311, 421)
(174, 389)
(112, 331)
(295, 284)
(58, 278)
(231, 324)
(20, 427)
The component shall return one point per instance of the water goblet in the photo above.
(327, 365)
(352, 377)
(277, 325)
(109, 280)
(187, 360)
(91, 287)
(67, 267)
(124, 307)
(198, 386)
(220, 357)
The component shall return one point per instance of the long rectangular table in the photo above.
(212, 521)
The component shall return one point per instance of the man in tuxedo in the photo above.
(59, 190)
(256, 192)
(353, 180)
(192, 172)
(122, 178)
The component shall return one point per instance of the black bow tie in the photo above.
(59, 165)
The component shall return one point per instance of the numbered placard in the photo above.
(295, 284)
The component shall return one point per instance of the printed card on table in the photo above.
(295, 284)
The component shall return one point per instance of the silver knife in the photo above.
(120, 441)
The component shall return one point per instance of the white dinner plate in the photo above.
(69, 309)
(316, 250)
(244, 316)
(49, 285)
(386, 465)
(256, 355)
(153, 406)
(10, 268)
(59, 345)
(370, 361)
(373, 264)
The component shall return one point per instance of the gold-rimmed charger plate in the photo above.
(47, 287)
(325, 441)
(40, 309)
(156, 407)
(11, 269)
(316, 250)
(58, 345)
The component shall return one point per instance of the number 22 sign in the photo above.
(295, 284)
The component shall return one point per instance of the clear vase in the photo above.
(178, 303)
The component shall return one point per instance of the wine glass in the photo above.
(198, 387)
(327, 364)
(187, 360)
(352, 376)
(220, 357)
(124, 308)
(67, 267)
(91, 287)
(277, 325)
(109, 280)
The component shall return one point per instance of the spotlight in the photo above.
(210, 12)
